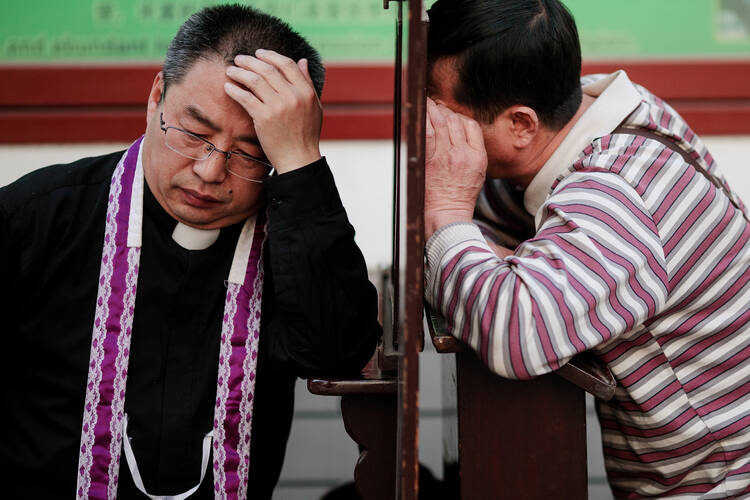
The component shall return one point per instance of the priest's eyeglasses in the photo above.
(195, 147)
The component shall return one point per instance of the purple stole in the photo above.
(103, 415)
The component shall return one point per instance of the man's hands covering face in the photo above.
(279, 96)
(455, 167)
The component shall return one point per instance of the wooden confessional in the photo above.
(505, 439)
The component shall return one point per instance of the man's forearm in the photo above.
(327, 309)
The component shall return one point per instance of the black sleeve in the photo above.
(9, 294)
(9, 265)
(323, 310)
(5, 256)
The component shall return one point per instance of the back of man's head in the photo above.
(224, 31)
(510, 52)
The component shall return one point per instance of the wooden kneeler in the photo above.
(381, 408)
(515, 439)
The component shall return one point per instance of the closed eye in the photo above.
(201, 136)
(193, 138)
(248, 155)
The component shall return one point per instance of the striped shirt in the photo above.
(638, 258)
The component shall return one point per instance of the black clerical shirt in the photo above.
(318, 316)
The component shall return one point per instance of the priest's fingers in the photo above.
(258, 77)
(244, 97)
(285, 67)
(304, 67)
(287, 116)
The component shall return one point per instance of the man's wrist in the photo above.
(295, 161)
(435, 219)
(301, 195)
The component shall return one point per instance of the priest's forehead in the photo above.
(196, 112)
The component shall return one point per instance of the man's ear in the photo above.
(524, 125)
(154, 97)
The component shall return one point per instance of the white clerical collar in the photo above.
(191, 238)
(616, 98)
(187, 237)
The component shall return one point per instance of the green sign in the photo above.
(140, 30)
(357, 30)
(665, 29)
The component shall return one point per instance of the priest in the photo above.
(159, 303)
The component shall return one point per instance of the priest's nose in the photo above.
(213, 169)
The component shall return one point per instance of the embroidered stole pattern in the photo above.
(101, 433)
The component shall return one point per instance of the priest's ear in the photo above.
(155, 96)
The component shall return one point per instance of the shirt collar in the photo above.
(187, 237)
(616, 98)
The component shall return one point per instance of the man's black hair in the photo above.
(224, 31)
(510, 52)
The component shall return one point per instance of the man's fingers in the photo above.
(455, 129)
(429, 129)
(247, 99)
(284, 66)
(439, 124)
(473, 132)
(253, 80)
(429, 133)
(454, 125)
(431, 106)
(304, 67)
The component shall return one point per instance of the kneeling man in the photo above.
(604, 225)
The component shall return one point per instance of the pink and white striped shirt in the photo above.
(638, 258)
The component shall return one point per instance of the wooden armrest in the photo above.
(590, 374)
(338, 387)
(370, 381)
(584, 370)
(443, 341)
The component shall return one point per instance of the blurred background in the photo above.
(74, 77)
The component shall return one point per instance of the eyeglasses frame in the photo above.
(227, 154)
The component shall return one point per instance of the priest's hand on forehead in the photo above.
(279, 96)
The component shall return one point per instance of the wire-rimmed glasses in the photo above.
(195, 147)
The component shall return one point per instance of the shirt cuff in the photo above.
(443, 240)
(301, 194)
